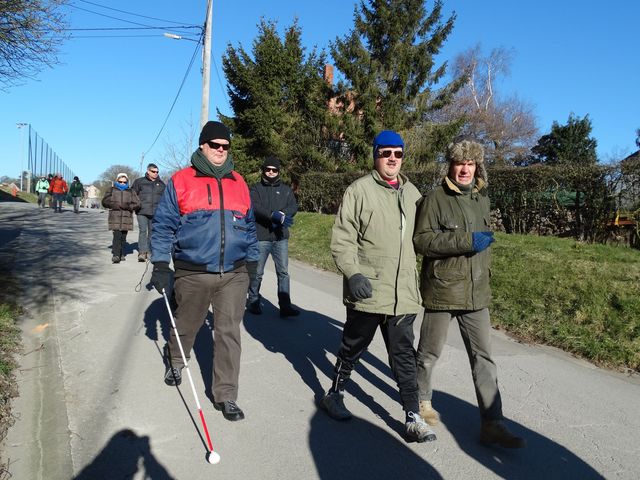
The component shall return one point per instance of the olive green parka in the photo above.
(372, 235)
(453, 276)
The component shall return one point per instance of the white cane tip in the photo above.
(213, 458)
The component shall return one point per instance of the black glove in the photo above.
(252, 268)
(161, 276)
(481, 240)
(360, 287)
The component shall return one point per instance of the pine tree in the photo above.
(569, 144)
(279, 99)
(388, 64)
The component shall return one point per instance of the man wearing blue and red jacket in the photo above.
(205, 224)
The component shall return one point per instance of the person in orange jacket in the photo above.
(58, 189)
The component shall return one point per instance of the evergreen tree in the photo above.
(279, 99)
(569, 144)
(388, 65)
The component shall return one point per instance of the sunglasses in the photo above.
(387, 153)
(271, 169)
(122, 181)
(153, 171)
(216, 145)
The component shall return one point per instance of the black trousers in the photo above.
(119, 241)
(397, 333)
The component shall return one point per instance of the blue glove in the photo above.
(360, 287)
(288, 221)
(277, 217)
(482, 240)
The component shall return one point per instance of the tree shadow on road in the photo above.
(543, 457)
(305, 342)
(122, 457)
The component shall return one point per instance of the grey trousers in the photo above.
(227, 294)
(475, 328)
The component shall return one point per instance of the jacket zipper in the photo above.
(222, 232)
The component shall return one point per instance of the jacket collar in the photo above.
(448, 183)
(403, 179)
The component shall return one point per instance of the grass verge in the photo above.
(9, 346)
(582, 298)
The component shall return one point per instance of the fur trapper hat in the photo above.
(467, 151)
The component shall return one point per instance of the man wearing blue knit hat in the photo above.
(372, 245)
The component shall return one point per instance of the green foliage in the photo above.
(579, 297)
(279, 101)
(388, 64)
(568, 200)
(567, 144)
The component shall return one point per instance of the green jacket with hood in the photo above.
(453, 276)
(372, 235)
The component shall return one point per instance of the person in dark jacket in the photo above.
(76, 190)
(121, 202)
(205, 224)
(149, 189)
(274, 206)
(453, 233)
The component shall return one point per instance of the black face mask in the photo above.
(268, 179)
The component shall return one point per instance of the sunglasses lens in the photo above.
(388, 153)
(216, 145)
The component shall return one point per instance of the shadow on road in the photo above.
(305, 342)
(122, 457)
(543, 458)
(359, 449)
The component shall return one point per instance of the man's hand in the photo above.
(288, 221)
(277, 217)
(161, 276)
(360, 287)
(482, 240)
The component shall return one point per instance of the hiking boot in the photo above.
(142, 257)
(230, 410)
(417, 430)
(496, 432)
(288, 311)
(333, 404)
(255, 308)
(115, 259)
(428, 413)
(173, 376)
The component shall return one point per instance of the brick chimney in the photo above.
(328, 74)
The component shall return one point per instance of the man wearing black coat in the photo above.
(149, 189)
(274, 206)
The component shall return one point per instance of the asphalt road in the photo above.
(93, 404)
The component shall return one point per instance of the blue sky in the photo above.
(107, 100)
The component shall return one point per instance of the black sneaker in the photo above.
(173, 376)
(288, 311)
(115, 259)
(230, 410)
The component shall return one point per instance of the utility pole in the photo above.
(20, 127)
(206, 66)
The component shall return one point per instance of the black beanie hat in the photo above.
(271, 162)
(212, 130)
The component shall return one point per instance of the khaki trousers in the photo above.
(227, 293)
(475, 328)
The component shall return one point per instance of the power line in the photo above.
(184, 79)
(161, 27)
(128, 13)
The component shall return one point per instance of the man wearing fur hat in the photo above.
(454, 235)
(275, 206)
(205, 224)
(372, 246)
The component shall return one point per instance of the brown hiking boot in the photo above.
(428, 413)
(496, 432)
